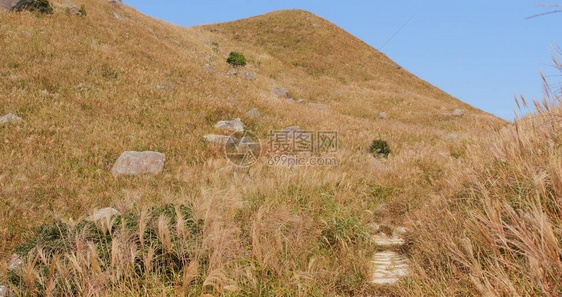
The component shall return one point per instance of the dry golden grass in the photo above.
(89, 88)
(497, 229)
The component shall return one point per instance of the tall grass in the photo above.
(498, 231)
(90, 88)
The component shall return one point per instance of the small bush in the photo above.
(379, 148)
(83, 10)
(40, 6)
(236, 59)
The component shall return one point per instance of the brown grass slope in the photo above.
(342, 70)
(89, 88)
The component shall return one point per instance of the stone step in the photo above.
(389, 267)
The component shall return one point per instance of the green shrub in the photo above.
(83, 10)
(236, 59)
(379, 148)
(40, 6)
(170, 254)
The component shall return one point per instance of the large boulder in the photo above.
(8, 5)
(133, 163)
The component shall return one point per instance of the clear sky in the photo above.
(482, 52)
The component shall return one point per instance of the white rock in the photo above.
(451, 137)
(15, 5)
(382, 115)
(214, 139)
(281, 92)
(401, 230)
(253, 113)
(103, 214)
(116, 2)
(231, 71)
(14, 262)
(117, 16)
(5, 291)
(233, 126)
(10, 118)
(458, 112)
(132, 163)
(317, 105)
(247, 75)
(210, 68)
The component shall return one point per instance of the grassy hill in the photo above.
(90, 87)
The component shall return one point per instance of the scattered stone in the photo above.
(458, 112)
(116, 2)
(401, 230)
(253, 113)
(5, 291)
(104, 214)
(231, 71)
(15, 5)
(14, 262)
(451, 137)
(382, 239)
(389, 267)
(281, 92)
(300, 100)
(83, 87)
(382, 115)
(210, 68)
(315, 25)
(208, 59)
(290, 100)
(10, 118)
(72, 8)
(317, 105)
(219, 140)
(166, 85)
(248, 75)
(132, 163)
(206, 41)
(233, 126)
(117, 16)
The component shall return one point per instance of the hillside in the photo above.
(91, 87)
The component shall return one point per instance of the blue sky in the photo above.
(482, 52)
